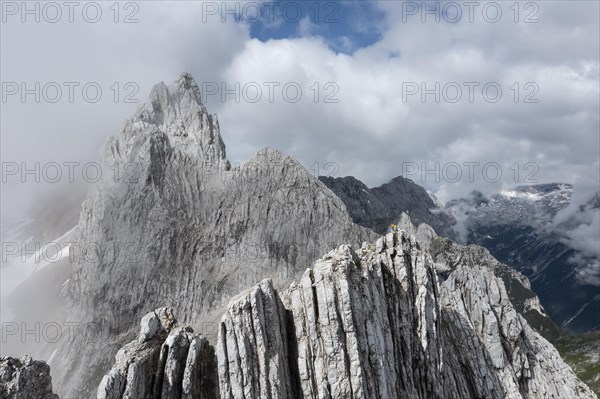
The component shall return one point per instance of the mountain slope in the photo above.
(582, 353)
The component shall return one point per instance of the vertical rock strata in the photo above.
(377, 323)
(166, 361)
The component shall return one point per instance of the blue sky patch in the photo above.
(345, 25)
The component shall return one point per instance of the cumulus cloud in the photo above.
(369, 127)
(372, 132)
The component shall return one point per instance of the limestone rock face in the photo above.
(176, 225)
(25, 378)
(448, 255)
(343, 339)
(253, 349)
(372, 323)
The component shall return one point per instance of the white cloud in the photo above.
(370, 131)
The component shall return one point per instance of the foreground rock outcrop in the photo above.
(375, 323)
(166, 361)
(25, 378)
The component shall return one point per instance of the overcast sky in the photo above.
(361, 67)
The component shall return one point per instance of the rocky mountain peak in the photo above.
(270, 154)
(197, 231)
(167, 103)
(177, 112)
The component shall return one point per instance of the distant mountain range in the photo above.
(378, 207)
(518, 228)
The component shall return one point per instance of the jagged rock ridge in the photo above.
(510, 224)
(447, 255)
(378, 323)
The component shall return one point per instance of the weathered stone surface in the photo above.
(252, 348)
(25, 378)
(161, 320)
(448, 255)
(172, 363)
